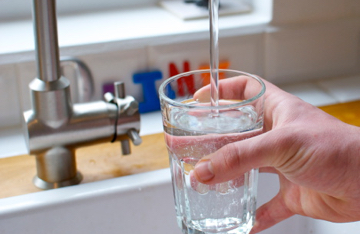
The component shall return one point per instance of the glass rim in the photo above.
(189, 106)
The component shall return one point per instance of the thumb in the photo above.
(234, 159)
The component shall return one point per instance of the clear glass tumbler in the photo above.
(193, 129)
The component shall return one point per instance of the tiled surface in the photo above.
(26, 72)
(292, 11)
(327, 92)
(12, 143)
(244, 53)
(151, 123)
(343, 89)
(195, 52)
(310, 93)
(9, 100)
(315, 51)
(355, 7)
(117, 66)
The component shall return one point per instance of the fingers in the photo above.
(268, 170)
(230, 89)
(220, 187)
(270, 149)
(199, 145)
(239, 88)
(271, 213)
(232, 160)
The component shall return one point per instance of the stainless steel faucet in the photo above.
(55, 126)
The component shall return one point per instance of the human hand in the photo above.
(316, 156)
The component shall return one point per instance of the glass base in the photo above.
(243, 229)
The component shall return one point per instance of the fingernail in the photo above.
(204, 170)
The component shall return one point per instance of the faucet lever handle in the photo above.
(134, 137)
(125, 143)
(127, 106)
(109, 97)
(125, 147)
(126, 103)
(119, 93)
(119, 87)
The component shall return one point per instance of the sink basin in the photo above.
(140, 203)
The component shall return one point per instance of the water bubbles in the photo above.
(222, 188)
(202, 188)
(227, 121)
(191, 122)
(248, 117)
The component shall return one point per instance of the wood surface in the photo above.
(103, 161)
(348, 112)
(97, 162)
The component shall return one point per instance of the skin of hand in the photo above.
(316, 156)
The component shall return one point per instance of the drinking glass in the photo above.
(195, 128)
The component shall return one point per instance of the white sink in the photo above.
(136, 204)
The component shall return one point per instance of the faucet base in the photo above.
(42, 184)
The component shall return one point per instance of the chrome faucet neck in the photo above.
(46, 40)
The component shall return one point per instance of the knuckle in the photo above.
(286, 147)
(230, 157)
